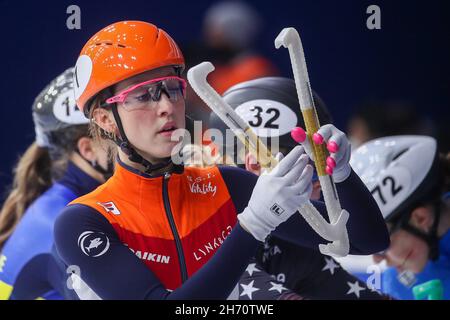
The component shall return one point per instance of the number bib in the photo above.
(66, 110)
(391, 191)
(268, 118)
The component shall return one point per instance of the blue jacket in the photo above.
(27, 267)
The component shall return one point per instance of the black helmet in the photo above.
(54, 110)
(270, 106)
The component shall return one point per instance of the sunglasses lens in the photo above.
(146, 95)
(137, 98)
(154, 90)
(174, 89)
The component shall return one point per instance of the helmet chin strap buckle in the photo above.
(105, 172)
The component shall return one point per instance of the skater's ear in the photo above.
(422, 218)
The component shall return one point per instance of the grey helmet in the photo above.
(55, 109)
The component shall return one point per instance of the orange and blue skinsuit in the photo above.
(176, 236)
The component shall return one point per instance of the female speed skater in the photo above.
(410, 181)
(180, 232)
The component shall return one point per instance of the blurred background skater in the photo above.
(378, 119)
(61, 164)
(410, 181)
(229, 33)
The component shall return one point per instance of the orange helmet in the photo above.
(120, 51)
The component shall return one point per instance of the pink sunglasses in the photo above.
(161, 82)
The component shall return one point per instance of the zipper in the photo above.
(181, 259)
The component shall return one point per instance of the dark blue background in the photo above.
(408, 58)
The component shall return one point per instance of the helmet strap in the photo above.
(106, 173)
(126, 147)
(431, 238)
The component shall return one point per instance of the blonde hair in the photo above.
(99, 136)
(32, 176)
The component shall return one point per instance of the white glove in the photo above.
(277, 195)
(337, 144)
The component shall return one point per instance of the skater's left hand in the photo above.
(337, 164)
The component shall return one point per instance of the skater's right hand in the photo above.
(278, 195)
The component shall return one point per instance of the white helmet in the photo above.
(399, 171)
